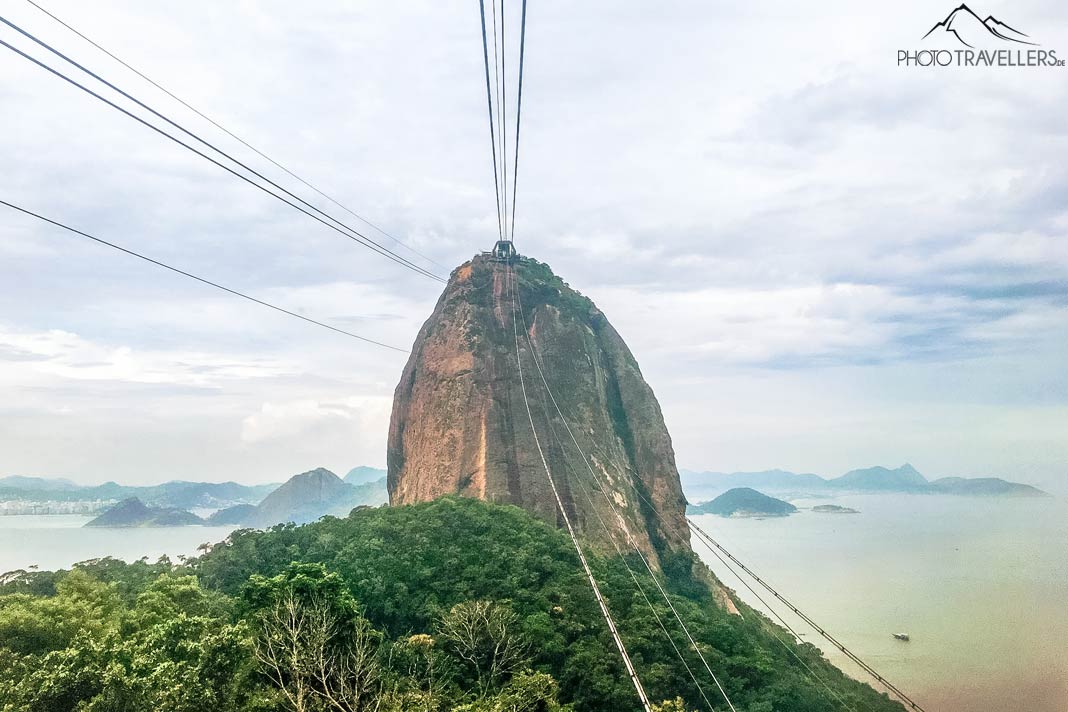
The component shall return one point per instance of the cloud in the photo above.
(35, 358)
(781, 213)
(820, 325)
(295, 419)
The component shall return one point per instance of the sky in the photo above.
(820, 259)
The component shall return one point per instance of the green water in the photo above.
(981, 586)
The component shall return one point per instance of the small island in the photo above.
(834, 509)
(744, 502)
(133, 512)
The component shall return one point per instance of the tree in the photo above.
(527, 692)
(312, 643)
(675, 705)
(485, 636)
(423, 673)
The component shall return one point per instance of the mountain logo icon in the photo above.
(970, 30)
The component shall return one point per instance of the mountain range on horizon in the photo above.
(186, 494)
(878, 479)
(301, 499)
(222, 496)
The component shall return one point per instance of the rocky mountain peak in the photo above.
(460, 426)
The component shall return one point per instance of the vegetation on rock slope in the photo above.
(453, 604)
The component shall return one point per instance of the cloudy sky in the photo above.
(821, 260)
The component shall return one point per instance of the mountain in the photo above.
(133, 512)
(307, 497)
(969, 29)
(778, 480)
(985, 486)
(364, 475)
(903, 479)
(208, 494)
(177, 493)
(460, 426)
(237, 514)
(42, 484)
(304, 498)
(744, 502)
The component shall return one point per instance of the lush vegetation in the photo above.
(450, 605)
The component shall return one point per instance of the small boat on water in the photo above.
(902, 636)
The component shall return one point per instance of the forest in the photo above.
(454, 604)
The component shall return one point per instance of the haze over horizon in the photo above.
(791, 307)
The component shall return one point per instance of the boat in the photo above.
(902, 636)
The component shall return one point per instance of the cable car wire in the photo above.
(363, 239)
(248, 180)
(702, 536)
(502, 106)
(567, 520)
(800, 614)
(489, 104)
(202, 280)
(619, 551)
(785, 624)
(637, 549)
(518, 113)
(237, 138)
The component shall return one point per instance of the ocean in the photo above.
(979, 584)
(58, 541)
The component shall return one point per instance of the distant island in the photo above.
(905, 479)
(133, 512)
(744, 502)
(834, 509)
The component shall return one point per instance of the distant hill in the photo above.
(310, 495)
(986, 487)
(744, 502)
(364, 475)
(238, 514)
(904, 479)
(178, 493)
(133, 512)
(18, 482)
(778, 480)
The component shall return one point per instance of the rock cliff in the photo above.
(459, 423)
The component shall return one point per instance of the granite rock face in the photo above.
(460, 425)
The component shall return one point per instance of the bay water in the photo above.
(979, 584)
